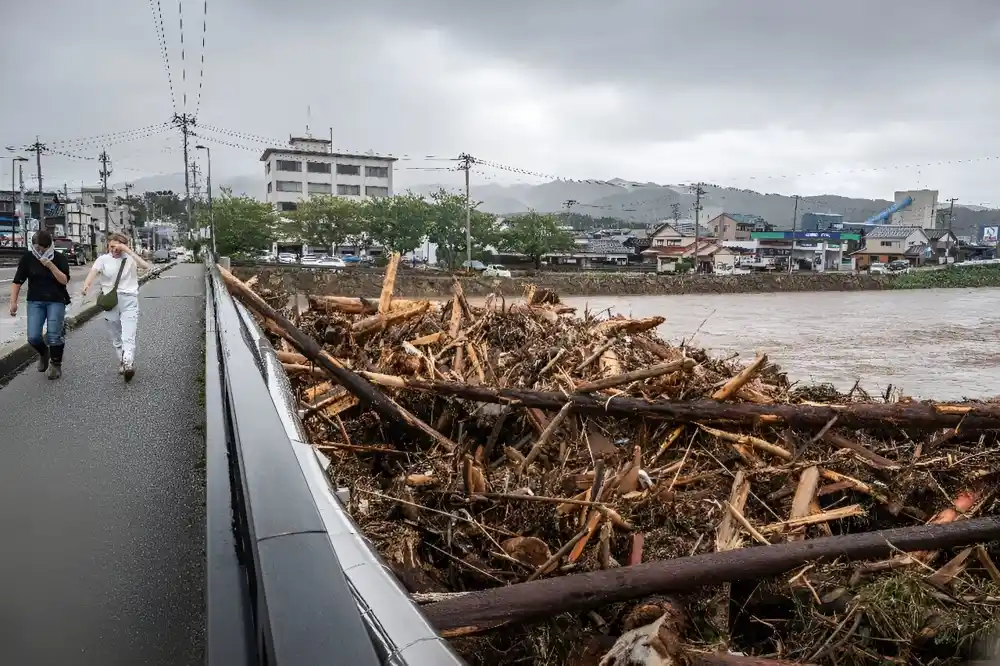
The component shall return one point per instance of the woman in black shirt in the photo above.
(46, 273)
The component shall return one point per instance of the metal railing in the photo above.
(291, 579)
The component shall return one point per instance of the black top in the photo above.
(42, 285)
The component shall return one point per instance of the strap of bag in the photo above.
(121, 269)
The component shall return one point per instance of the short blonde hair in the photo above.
(121, 238)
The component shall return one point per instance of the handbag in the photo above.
(109, 300)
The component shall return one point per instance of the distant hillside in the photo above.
(637, 202)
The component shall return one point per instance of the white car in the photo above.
(331, 262)
(286, 258)
(877, 268)
(496, 271)
(309, 259)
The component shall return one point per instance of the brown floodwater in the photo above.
(938, 344)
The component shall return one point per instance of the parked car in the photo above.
(496, 270)
(899, 266)
(878, 268)
(286, 258)
(475, 265)
(309, 259)
(331, 262)
(74, 253)
(161, 257)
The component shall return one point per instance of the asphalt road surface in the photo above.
(102, 495)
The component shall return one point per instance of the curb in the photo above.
(16, 355)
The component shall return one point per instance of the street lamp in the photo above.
(211, 211)
(17, 212)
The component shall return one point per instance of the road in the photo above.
(102, 495)
(7, 275)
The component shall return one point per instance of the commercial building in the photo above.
(815, 250)
(310, 167)
(821, 222)
(737, 226)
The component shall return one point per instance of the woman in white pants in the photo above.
(123, 319)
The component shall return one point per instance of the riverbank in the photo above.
(417, 284)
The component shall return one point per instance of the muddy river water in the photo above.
(941, 344)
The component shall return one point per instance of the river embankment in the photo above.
(411, 283)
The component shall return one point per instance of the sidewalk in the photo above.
(13, 328)
(102, 495)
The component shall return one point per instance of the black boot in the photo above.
(43, 357)
(55, 361)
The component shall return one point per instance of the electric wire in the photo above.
(161, 36)
(201, 73)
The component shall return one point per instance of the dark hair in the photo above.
(42, 238)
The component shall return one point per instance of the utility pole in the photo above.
(698, 192)
(38, 148)
(24, 221)
(211, 211)
(467, 161)
(791, 253)
(675, 211)
(951, 220)
(184, 122)
(104, 173)
(128, 211)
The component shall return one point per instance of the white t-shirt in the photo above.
(107, 269)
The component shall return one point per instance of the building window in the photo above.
(348, 169)
(268, 187)
(886, 243)
(288, 186)
(100, 199)
(319, 188)
(377, 172)
(348, 190)
(288, 165)
(318, 167)
(287, 206)
(373, 191)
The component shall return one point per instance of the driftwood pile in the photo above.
(567, 488)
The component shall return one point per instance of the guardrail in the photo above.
(291, 579)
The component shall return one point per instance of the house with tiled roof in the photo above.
(593, 252)
(889, 242)
(669, 257)
(737, 226)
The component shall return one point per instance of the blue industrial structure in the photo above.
(880, 218)
(821, 221)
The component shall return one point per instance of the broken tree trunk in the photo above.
(346, 378)
(579, 592)
(923, 415)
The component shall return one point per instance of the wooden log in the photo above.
(737, 382)
(805, 492)
(382, 321)
(580, 592)
(388, 282)
(345, 377)
(635, 375)
(354, 305)
(920, 415)
(873, 458)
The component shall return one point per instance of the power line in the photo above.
(201, 74)
(180, 17)
(161, 36)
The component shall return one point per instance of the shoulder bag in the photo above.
(109, 300)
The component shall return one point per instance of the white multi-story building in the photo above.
(310, 166)
(922, 212)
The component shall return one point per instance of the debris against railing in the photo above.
(563, 488)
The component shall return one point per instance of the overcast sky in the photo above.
(787, 96)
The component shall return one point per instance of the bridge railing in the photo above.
(291, 579)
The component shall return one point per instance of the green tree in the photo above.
(535, 235)
(324, 220)
(447, 228)
(399, 223)
(244, 227)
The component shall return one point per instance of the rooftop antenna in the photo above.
(308, 119)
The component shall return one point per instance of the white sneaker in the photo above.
(128, 370)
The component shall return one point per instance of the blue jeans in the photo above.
(52, 316)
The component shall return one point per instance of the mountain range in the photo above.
(634, 202)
